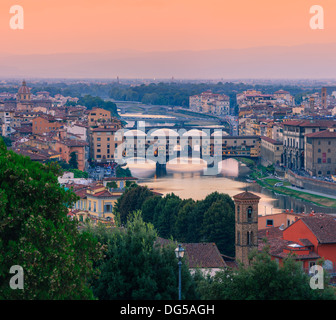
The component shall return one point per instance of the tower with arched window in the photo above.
(246, 220)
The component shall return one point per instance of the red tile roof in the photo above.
(246, 196)
(203, 255)
(322, 134)
(322, 226)
(199, 255)
(270, 140)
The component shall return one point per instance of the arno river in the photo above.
(187, 180)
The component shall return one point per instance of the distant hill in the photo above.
(304, 61)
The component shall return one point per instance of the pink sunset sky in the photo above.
(52, 26)
(163, 26)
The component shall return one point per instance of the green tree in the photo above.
(37, 234)
(7, 141)
(263, 279)
(148, 208)
(219, 226)
(73, 160)
(135, 267)
(184, 229)
(165, 215)
(131, 200)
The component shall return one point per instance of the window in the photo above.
(98, 139)
(319, 160)
(94, 207)
(249, 213)
(319, 150)
(89, 205)
(238, 237)
(249, 238)
(329, 160)
(238, 213)
(269, 223)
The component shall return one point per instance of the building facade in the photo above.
(271, 151)
(294, 132)
(208, 102)
(320, 153)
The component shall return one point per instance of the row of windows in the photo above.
(82, 206)
(249, 238)
(319, 160)
(98, 156)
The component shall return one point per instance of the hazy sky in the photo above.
(53, 26)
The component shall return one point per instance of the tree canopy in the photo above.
(136, 267)
(186, 220)
(37, 234)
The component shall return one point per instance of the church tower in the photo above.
(24, 94)
(246, 220)
(23, 98)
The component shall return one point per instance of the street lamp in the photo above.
(179, 252)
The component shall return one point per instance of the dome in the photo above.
(24, 89)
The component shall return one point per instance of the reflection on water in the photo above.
(187, 180)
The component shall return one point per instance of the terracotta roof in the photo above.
(310, 123)
(322, 134)
(270, 140)
(246, 196)
(306, 242)
(74, 143)
(322, 226)
(199, 255)
(274, 240)
(104, 193)
(311, 255)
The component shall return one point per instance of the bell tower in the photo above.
(246, 220)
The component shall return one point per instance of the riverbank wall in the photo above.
(310, 183)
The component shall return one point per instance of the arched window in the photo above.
(238, 213)
(249, 238)
(249, 213)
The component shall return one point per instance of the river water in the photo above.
(187, 180)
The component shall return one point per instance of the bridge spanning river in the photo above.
(162, 145)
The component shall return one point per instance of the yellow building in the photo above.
(99, 115)
(96, 203)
